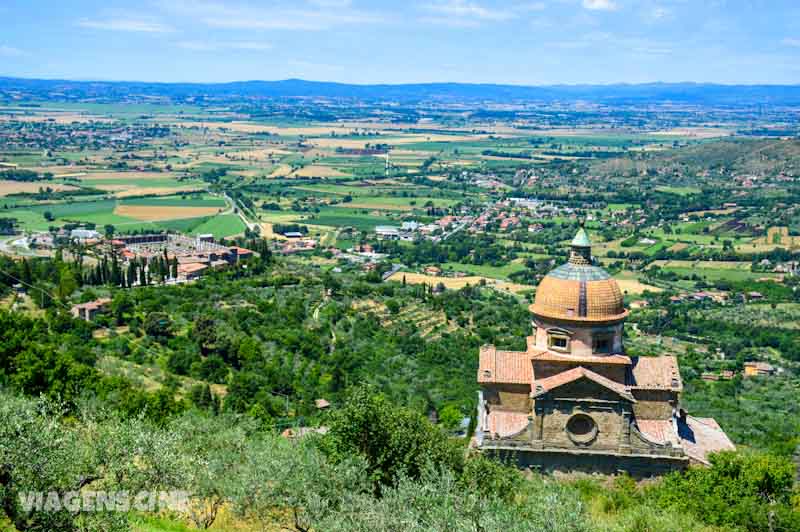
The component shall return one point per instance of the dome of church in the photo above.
(579, 290)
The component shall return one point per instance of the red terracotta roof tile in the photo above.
(550, 356)
(702, 436)
(192, 267)
(656, 373)
(658, 430)
(505, 367)
(550, 383)
(504, 423)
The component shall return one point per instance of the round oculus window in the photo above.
(581, 428)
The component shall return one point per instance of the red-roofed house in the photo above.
(88, 311)
(241, 253)
(191, 270)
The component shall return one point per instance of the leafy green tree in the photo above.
(394, 441)
(41, 451)
(294, 484)
(450, 417)
(212, 461)
(205, 333)
(158, 325)
(121, 306)
(751, 491)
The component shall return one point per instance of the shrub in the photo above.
(747, 490)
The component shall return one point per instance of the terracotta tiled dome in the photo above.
(579, 290)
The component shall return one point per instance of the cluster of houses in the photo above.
(84, 235)
(406, 231)
(751, 369)
(362, 254)
(716, 297)
(49, 135)
(790, 268)
(195, 255)
(297, 243)
(501, 215)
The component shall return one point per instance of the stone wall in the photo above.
(607, 464)
(515, 397)
(553, 415)
(654, 404)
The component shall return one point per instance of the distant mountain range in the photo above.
(698, 93)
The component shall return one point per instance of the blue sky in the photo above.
(521, 42)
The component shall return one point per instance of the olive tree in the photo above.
(295, 479)
(48, 462)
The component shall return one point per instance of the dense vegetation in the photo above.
(380, 467)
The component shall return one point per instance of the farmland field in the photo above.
(220, 226)
(16, 187)
(161, 213)
(458, 282)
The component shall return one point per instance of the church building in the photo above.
(573, 400)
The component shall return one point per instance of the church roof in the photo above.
(655, 373)
(659, 431)
(543, 386)
(504, 367)
(701, 436)
(698, 436)
(552, 356)
(579, 272)
(579, 291)
(505, 423)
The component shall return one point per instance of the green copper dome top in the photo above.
(581, 239)
(581, 253)
(579, 272)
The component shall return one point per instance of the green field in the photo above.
(194, 200)
(718, 274)
(681, 191)
(486, 270)
(359, 221)
(220, 226)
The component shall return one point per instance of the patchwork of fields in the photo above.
(338, 176)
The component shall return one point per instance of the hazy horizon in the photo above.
(432, 82)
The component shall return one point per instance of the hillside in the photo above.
(684, 93)
(747, 157)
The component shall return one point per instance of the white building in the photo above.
(387, 231)
(84, 234)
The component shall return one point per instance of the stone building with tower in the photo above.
(574, 400)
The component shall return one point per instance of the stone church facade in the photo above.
(573, 400)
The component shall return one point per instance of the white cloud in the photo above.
(466, 10)
(316, 15)
(790, 41)
(212, 46)
(600, 5)
(126, 24)
(651, 49)
(10, 51)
